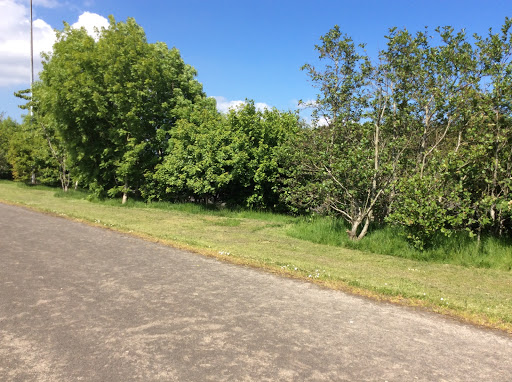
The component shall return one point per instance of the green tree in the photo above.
(114, 102)
(433, 92)
(199, 159)
(29, 156)
(492, 162)
(454, 99)
(341, 164)
(421, 139)
(7, 129)
(257, 139)
(231, 159)
(45, 125)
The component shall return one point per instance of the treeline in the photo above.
(420, 137)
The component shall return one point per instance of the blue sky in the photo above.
(241, 49)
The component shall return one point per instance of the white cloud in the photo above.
(223, 105)
(15, 39)
(15, 43)
(92, 23)
(323, 121)
(262, 106)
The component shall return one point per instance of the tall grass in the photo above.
(459, 249)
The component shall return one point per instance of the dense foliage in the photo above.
(420, 138)
(7, 128)
(114, 102)
(25, 155)
(231, 158)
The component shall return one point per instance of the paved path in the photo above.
(79, 303)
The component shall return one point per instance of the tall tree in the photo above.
(115, 101)
(454, 99)
(340, 166)
(45, 125)
(29, 156)
(257, 139)
(434, 90)
(199, 161)
(495, 132)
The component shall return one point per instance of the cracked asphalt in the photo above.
(81, 303)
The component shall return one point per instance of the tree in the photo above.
(199, 159)
(114, 102)
(454, 100)
(257, 139)
(433, 89)
(29, 155)
(493, 160)
(225, 159)
(421, 139)
(45, 123)
(339, 166)
(7, 130)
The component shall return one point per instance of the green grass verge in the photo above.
(459, 249)
(478, 295)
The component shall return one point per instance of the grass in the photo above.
(309, 250)
(190, 208)
(459, 249)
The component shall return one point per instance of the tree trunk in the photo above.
(423, 143)
(64, 177)
(125, 192)
(352, 233)
(365, 228)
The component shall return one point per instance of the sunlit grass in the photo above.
(459, 249)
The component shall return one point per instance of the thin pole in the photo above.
(31, 54)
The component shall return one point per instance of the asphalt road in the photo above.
(80, 303)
